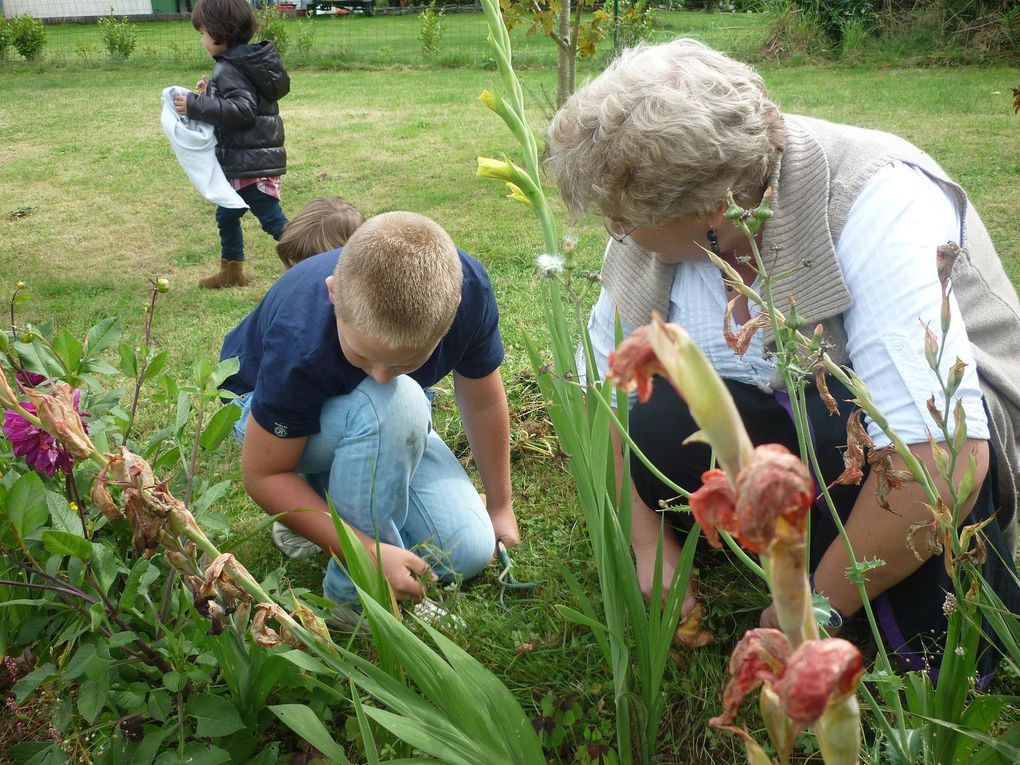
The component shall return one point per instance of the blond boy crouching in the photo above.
(336, 366)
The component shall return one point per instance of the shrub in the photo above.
(636, 23)
(431, 30)
(273, 28)
(5, 37)
(304, 38)
(119, 37)
(28, 36)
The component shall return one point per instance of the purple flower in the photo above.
(38, 448)
(29, 379)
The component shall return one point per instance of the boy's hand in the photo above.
(504, 523)
(405, 571)
(181, 105)
(200, 86)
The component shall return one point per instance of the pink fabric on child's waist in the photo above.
(267, 184)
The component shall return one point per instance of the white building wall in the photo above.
(51, 9)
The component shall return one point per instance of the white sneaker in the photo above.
(292, 544)
(436, 615)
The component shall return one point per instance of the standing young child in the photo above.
(334, 367)
(240, 100)
(323, 224)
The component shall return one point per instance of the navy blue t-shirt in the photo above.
(290, 352)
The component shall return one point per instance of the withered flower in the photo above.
(58, 413)
(818, 673)
(823, 390)
(101, 498)
(741, 341)
(265, 635)
(760, 657)
(774, 494)
(888, 477)
(218, 579)
(714, 506)
(633, 364)
(857, 439)
(689, 633)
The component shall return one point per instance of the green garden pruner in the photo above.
(506, 580)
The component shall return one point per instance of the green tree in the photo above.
(561, 22)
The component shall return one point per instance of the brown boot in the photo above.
(231, 274)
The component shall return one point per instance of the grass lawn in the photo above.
(92, 202)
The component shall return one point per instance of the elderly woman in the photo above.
(653, 144)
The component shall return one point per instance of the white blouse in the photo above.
(887, 255)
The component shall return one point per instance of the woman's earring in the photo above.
(713, 242)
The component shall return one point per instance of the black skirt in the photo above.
(910, 613)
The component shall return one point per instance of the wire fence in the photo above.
(387, 37)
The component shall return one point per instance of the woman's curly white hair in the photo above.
(662, 133)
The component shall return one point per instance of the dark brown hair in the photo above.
(228, 22)
(323, 224)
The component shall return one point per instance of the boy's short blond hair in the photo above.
(399, 281)
(323, 224)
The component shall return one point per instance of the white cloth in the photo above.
(887, 255)
(194, 143)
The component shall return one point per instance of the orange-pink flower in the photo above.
(714, 506)
(634, 364)
(818, 673)
(773, 492)
(760, 657)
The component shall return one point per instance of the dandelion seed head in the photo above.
(549, 266)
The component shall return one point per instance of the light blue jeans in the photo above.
(391, 476)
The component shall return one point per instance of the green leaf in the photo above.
(141, 577)
(64, 543)
(26, 685)
(215, 715)
(102, 336)
(128, 360)
(62, 517)
(92, 696)
(156, 365)
(39, 359)
(106, 564)
(69, 349)
(219, 426)
(80, 662)
(225, 369)
(303, 661)
(205, 500)
(27, 509)
(183, 412)
(175, 681)
(159, 705)
(195, 753)
(304, 722)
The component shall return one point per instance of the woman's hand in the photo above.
(405, 571)
(181, 105)
(200, 86)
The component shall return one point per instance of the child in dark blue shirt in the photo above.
(334, 363)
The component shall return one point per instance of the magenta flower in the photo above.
(38, 448)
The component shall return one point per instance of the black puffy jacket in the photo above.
(240, 100)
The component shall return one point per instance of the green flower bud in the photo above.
(162, 286)
(955, 376)
(21, 285)
(794, 320)
(931, 348)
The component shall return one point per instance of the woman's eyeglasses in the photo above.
(617, 230)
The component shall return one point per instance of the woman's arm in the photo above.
(876, 532)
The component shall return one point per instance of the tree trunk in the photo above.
(567, 49)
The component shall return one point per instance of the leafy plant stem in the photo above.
(143, 366)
